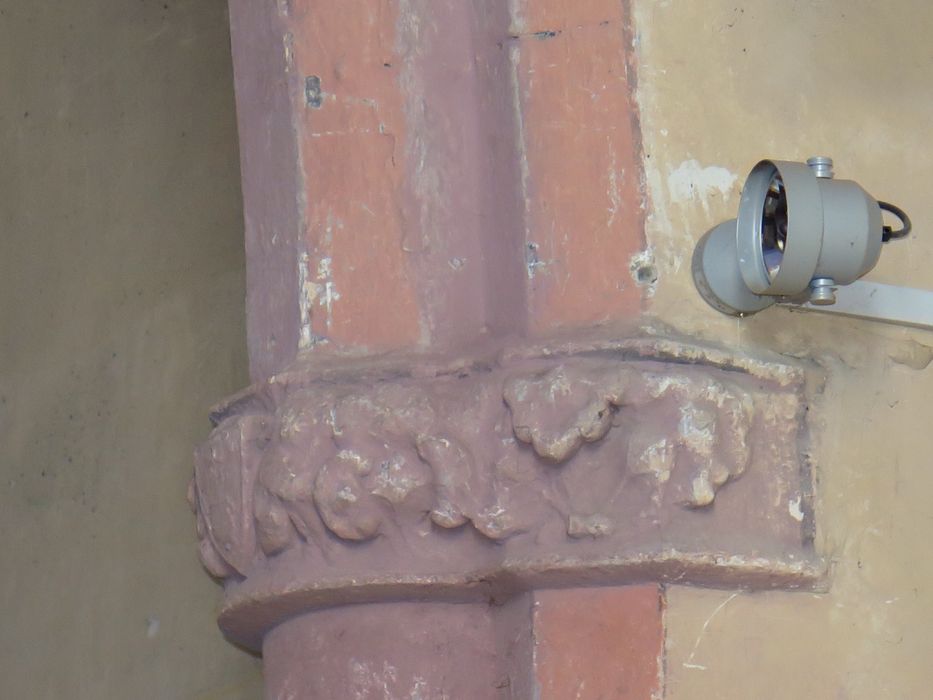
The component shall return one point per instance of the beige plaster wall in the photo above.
(723, 84)
(121, 320)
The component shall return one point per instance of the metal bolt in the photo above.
(822, 291)
(822, 166)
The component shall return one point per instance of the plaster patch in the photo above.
(691, 181)
(152, 627)
(912, 354)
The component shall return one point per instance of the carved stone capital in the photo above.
(587, 462)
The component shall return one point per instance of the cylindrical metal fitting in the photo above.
(822, 166)
(822, 291)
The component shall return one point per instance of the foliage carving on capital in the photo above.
(529, 454)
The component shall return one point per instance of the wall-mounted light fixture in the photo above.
(803, 239)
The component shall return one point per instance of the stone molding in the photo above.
(599, 461)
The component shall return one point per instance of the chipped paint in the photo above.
(327, 292)
(793, 507)
(306, 295)
(615, 195)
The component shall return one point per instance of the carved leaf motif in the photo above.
(212, 561)
(397, 478)
(589, 526)
(225, 473)
(273, 525)
(709, 445)
(352, 462)
(560, 409)
(284, 507)
(344, 504)
(496, 522)
(454, 474)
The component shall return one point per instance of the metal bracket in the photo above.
(901, 306)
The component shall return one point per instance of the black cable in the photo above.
(890, 234)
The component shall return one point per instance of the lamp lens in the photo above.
(774, 226)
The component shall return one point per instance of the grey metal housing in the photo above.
(833, 237)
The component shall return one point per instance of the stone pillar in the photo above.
(467, 463)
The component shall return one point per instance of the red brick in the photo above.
(599, 643)
(353, 166)
(585, 215)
